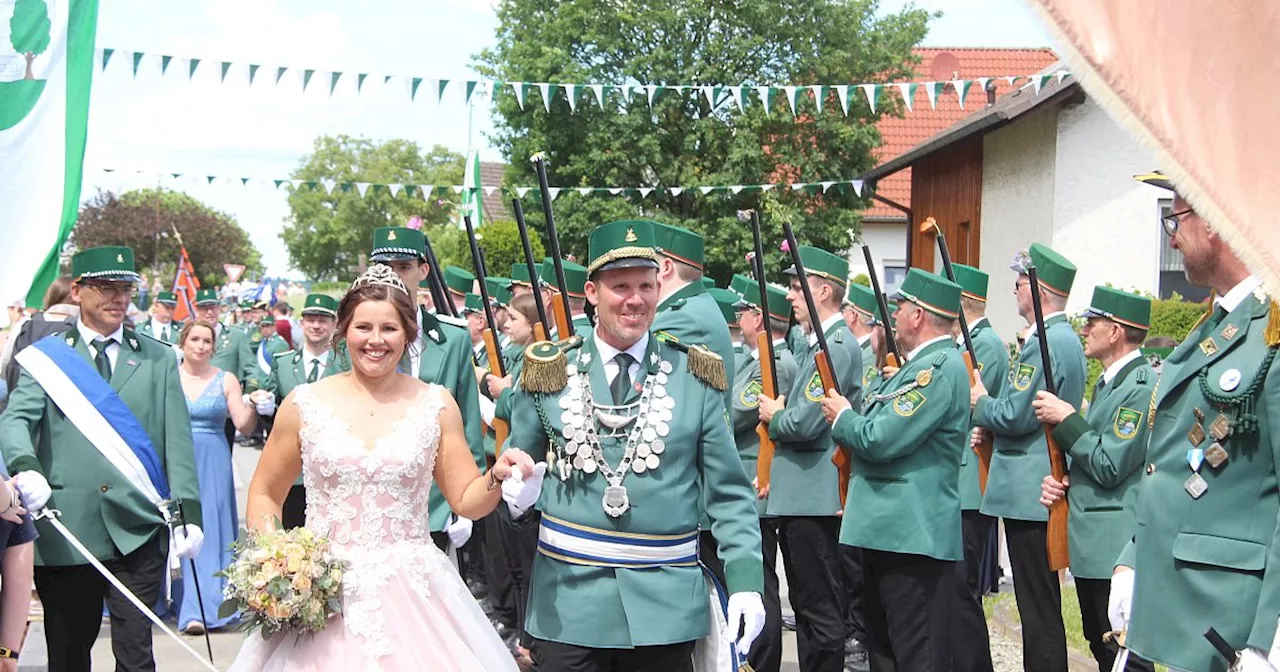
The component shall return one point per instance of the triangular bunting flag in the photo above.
(378, 188)
(1063, 74)
(615, 190)
(345, 187)
(931, 90)
(739, 94)
(395, 189)
(766, 97)
(598, 89)
(1040, 80)
(872, 92)
(225, 66)
(842, 92)
(767, 187)
(547, 93)
(253, 72)
(519, 88)
(553, 192)
(360, 82)
(278, 183)
(826, 185)
(164, 63)
(311, 185)
(710, 93)
(488, 191)
(137, 58)
(306, 79)
(295, 183)
(571, 94)
(908, 90)
(470, 89)
(457, 188)
(857, 187)
(584, 191)
(440, 87)
(645, 191)
(962, 89)
(414, 83)
(333, 83)
(521, 191)
(736, 189)
(1012, 79)
(106, 57)
(652, 90)
(328, 185)
(426, 190)
(797, 186)
(280, 73)
(792, 92)
(210, 178)
(982, 83)
(244, 181)
(676, 191)
(362, 188)
(819, 92)
(192, 64)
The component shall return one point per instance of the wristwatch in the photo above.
(8, 653)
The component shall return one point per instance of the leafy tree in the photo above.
(145, 220)
(499, 240)
(29, 30)
(684, 140)
(330, 234)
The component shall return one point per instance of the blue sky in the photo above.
(167, 125)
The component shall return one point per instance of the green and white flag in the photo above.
(46, 67)
(471, 193)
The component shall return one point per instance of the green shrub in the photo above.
(862, 279)
(336, 288)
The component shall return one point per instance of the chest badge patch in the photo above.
(1022, 376)
(813, 391)
(1126, 424)
(750, 396)
(907, 404)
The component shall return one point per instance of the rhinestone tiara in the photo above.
(380, 274)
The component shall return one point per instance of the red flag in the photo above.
(185, 284)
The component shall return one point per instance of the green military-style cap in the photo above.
(823, 264)
(320, 304)
(397, 243)
(472, 304)
(725, 301)
(863, 300)
(930, 291)
(520, 275)
(625, 243)
(739, 283)
(680, 244)
(1156, 178)
(708, 283)
(1052, 269)
(111, 262)
(973, 282)
(459, 280)
(779, 306)
(1131, 310)
(167, 298)
(499, 290)
(575, 275)
(267, 321)
(205, 297)
(247, 304)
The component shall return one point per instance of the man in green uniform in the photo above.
(272, 343)
(161, 325)
(56, 442)
(521, 283)
(726, 300)
(860, 316)
(970, 644)
(576, 276)
(631, 468)
(1207, 548)
(905, 479)
(291, 368)
(1107, 448)
(804, 484)
(459, 282)
(1021, 459)
(766, 655)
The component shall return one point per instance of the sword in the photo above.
(195, 579)
(51, 515)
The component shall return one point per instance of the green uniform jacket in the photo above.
(1106, 452)
(289, 370)
(274, 346)
(582, 326)
(1213, 560)
(906, 458)
(233, 354)
(747, 386)
(692, 317)
(447, 362)
(150, 328)
(803, 481)
(1021, 458)
(603, 607)
(513, 358)
(993, 365)
(870, 374)
(99, 505)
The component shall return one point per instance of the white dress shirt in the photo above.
(1111, 372)
(608, 352)
(1232, 299)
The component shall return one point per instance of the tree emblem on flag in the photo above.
(30, 34)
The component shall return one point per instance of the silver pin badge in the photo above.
(1229, 380)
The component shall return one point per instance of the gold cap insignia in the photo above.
(391, 235)
(631, 236)
(924, 378)
(119, 258)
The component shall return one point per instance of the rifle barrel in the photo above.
(534, 277)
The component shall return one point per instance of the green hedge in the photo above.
(1172, 317)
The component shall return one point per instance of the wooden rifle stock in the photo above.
(840, 458)
(769, 388)
(892, 359)
(1059, 551)
(501, 428)
(560, 313)
(539, 332)
(985, 448)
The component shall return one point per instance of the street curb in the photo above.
(1002, 621)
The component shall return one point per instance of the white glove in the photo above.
(746, 610)
(185, 541)
(35, 490)
(521, 493)
(1252, 660)
(459, 531)
(267, 406)
(1120, 600)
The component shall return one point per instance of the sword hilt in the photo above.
(46, 512)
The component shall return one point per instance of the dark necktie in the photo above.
(315, 370)
(621, 385)
(1097, 389)
(100, 358)
(1216, 318)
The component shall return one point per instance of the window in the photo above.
(894, 273)
(1173, 278)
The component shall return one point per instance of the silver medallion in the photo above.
(571, 369)
(652, 461)
(657, 446)
(567, 417)
(580, 436)
(663, 429)
(1229, 380)
(662, 378)
(564, 402)
(665, 367)
(571, 448)
(665, 415)
(615, 500)
(568, 432)
(1196, 486)
(639, 466)
(643, 450)
(589, 465)
(649, 434)
(659, 391)
(579, 463)
(576, 406)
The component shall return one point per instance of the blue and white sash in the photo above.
(98, 412)
(581, 545)
(718, 651)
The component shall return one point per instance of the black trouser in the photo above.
(519, 546)
(854, 586)
(502, 590)
(1094, 594)
(970, 645)
(766, 652)
(811, 558)
(72, 597)
(909, 601)
(1039, 597)
(471, 560)
(557, 657)
(293, 513)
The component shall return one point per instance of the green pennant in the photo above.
(210, 178)
(386, 80)
(521, 89)
(962, 89)
(345, 187)
(1040, 80)
(244, 181)
(360, 81)
(819, 94)
(306, 78)
(410, 190)
(766, 94)
(226, 65)
(280, 73)
(106, 55)
(740, 94)
(413, 87)
(443, 84)
(471, 87)
(137, 58)
(908, 90)
(310, 185)
(378, 188)
(191, 69)
(792, 93)
(164, 64)
(279, 182)
(253, 72)
(333, 81)
(873, 93)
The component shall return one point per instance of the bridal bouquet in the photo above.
(283, 580)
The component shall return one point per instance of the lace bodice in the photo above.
(209, 410)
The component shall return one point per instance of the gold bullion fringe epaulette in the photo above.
(1272, 332)
(544, 365)
(704, 364)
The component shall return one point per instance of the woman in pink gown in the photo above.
(369, 444)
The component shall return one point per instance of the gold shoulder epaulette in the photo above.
(544, 372)
(704, 364)
(1272, 333)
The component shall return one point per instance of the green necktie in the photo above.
(1219, 314)
(621, 385)
(1097, 389)
(315, 370)
(100, 359)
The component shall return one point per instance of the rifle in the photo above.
(1059, 552)
(890, 343)
(764, 346)
(985, 449)
(822, 360)
(540, 329)
(560, 304)
(501, 428)
(195, 578)
(435, 280)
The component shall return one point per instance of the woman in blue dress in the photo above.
(211, 397)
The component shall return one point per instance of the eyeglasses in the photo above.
(109, 291)
(1171, 222)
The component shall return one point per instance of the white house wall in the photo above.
(1018, 169)
(888, 242)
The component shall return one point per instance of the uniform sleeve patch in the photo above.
(908, 403)
(813, 391)
(1022, 376)
(1127, 422)
(750, 396)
